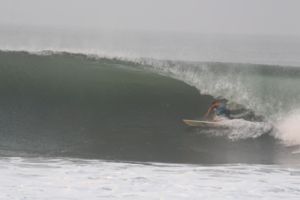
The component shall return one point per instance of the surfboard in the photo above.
(198, 123)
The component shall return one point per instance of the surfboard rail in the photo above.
(201, 123)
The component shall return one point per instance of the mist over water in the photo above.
(253, 49)
(289, 129)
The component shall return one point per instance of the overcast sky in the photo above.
(206, 16)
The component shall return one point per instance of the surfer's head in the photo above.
(215, 102)
(219, 100)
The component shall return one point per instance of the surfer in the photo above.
(220, 110)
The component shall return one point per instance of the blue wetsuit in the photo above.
(221, 110)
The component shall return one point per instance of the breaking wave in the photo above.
(127, 101)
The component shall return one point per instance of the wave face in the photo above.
(63, 104)
(66, 104)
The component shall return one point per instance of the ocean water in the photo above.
(98, 115)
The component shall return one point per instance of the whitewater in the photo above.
(80, 179)
(98, 115)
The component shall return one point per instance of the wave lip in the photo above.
(163, 46)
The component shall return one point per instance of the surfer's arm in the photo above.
(209, 111)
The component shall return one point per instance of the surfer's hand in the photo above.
(206, 117)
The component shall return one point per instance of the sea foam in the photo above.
(289, 129)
